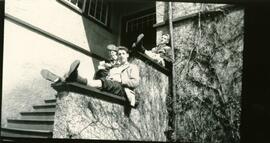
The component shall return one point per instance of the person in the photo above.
(160, 53)
(103, 67)
(121, 80)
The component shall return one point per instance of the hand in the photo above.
(107, 65)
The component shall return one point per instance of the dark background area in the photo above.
(256, 75)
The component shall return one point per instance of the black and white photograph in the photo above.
(122, 70)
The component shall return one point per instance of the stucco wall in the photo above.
(56, 18)
(208, 69)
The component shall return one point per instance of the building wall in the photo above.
(208, 69)
(27, 52)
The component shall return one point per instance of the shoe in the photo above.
(139, 39)
(138, 45)
(48, 75)
(73, 72)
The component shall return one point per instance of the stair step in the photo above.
(50, 101)
(45, 108)
(30, 124)
(37, 115)
(15, 132)
(7, 140)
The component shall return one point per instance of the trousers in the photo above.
(113, 87)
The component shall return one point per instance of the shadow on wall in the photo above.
(98, 38)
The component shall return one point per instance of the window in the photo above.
(76, 4)
(97, 10)
(140, 23)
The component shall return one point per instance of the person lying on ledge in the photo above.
(160, 53)
(121, 80)
(103, 67)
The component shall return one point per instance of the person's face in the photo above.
(164, 39)
(113, 55)
(123, 56)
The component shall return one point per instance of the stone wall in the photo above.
(81, 117)
(208, 68)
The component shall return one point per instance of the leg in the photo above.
(95, 83)
(139, 43)
(102, 73)
(113, 87)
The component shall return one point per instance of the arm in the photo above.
(133, 77)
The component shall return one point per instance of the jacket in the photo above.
(130, 79)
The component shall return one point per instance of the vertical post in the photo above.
(173, 71)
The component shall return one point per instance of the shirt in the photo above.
(115, 73)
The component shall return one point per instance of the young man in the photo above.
(103, 67)
(121, 80)
(159, 53)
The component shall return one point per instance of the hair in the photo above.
(112, 47)
(169, 42)
(123, 48)
(168, 35)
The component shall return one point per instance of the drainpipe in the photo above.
(173, 71)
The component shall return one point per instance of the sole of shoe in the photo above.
(73, 67)
(139, 38)
(48, 75)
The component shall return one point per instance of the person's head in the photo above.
(123, 54)
(165, 39)
(112, 51)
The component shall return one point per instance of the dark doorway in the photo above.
(141, 22)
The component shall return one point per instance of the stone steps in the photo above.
(38, 115)
(35, 124)
(45, 108)
(30, 124)
(50, 101)
(17, 132)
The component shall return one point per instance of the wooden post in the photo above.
(173, 71)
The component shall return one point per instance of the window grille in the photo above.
(99, 9)
(139, 23)
(95, 9)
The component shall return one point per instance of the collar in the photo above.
(126, 65)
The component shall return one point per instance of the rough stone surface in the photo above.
(208, 68)
(81, 117)
(181, 9)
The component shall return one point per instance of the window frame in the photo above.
(85, 10)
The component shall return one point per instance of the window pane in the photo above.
(80, 4)
(98, 10)
(73, 1)
(92, 7)
(104, 13)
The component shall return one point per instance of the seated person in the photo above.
(121, 80)
(159, 53)
(103, 67)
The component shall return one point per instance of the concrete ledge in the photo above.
(148, 60)
(89, 91)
